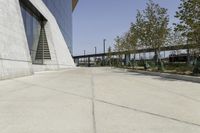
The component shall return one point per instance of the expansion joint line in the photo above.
(93, 103)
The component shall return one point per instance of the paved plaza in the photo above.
(98, 100)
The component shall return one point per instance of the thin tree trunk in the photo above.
(156, 57)
(188, 56)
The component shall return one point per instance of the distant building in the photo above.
(35, 35)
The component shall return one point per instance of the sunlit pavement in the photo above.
(98, 100)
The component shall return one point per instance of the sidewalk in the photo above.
(98, 100)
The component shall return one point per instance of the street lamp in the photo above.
(84, 53)
(95, 50)
(104, 46)
(104, 50)
(84, 57)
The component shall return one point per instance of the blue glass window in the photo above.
(62, 11)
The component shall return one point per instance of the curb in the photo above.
(167, 75)
(172, 76)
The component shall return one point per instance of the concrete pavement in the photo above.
(98, 100)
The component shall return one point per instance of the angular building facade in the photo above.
(35, 35)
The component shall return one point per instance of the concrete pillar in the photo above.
(77, 61)
(88, 62)
(127, 58)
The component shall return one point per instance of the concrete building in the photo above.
(35, 35)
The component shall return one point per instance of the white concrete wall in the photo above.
(60, 54)
(14, 54)
(15, 59)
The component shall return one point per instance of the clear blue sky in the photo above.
(94, 20)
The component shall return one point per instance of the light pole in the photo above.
(95, 51)
(104, 50)
(84, 57)
(104, 46)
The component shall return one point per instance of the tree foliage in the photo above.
(149, 31)
(189, 16)
(155, 27)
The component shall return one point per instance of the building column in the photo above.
(127, 58)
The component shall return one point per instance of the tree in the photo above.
(109, 56)
(126, 46)
(152, 28)
(118, 44)
(133, 41)
(133, 38)
(140, 30)
(118, 47)
(157, 26)
(176, 39)
(189, 16)
(149, 31)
